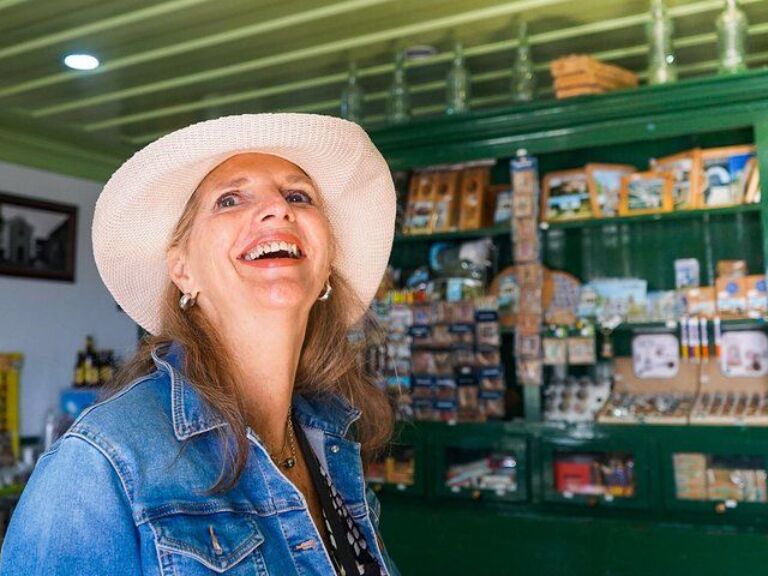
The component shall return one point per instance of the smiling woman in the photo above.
(234, 439)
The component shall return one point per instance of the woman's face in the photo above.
(259, 240)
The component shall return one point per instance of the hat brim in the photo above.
(140, 205)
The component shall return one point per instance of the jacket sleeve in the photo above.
(375, 511)
(72, 518)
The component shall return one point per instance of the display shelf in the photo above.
(500, 230)
(727, 477)
(644, 218)
(407, 444)
(483, 467)
(671, 326)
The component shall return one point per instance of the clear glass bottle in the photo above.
(399, 97)
(457, 83)
(523, 78)
(661, 59)
(731, 39)
(352, 97)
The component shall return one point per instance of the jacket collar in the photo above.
(192, 415)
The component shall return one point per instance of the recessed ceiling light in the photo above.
(81, 61)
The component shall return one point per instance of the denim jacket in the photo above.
(116, 495)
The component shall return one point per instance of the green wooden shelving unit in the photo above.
(431, 532)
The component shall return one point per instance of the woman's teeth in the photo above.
(273, 250)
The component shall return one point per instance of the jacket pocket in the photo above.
(211, 543)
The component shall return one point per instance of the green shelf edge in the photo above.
(644, 218)
(499, 230)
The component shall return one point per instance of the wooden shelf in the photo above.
(644, 218)
(500, 230)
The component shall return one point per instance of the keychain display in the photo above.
(574, 399)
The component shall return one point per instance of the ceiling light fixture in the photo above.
(81, 61)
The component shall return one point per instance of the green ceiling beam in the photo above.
(10, 3)
(494, 47)
(118, 21)
(198, 43)
(410, 30)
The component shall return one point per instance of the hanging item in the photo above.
(662, 68)
(352, 97)
(731, 39)
(523, 77)
(399, 97)
(457, 83)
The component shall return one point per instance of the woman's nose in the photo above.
(275, 206)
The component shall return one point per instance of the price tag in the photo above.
(500, 491)
(568, 495)
(455, 489)
(609, 497)
(401, 487)
(731, 504)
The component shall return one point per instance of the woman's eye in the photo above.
(298, 196)
(227, 200)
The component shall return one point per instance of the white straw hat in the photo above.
(142, 202)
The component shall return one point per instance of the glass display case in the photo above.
(399, 467)
(482, 468)
(717, 478)
(595, 472)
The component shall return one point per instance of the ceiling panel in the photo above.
(168, 63)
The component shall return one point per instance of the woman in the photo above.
(231, 443)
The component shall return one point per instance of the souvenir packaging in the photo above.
(492, 403)
(528, 345)
(490, 378)
(530, 299)
(581, 350)
(731, 297)
(646, 193)
(686, 170)
(604, 181)
(757, 296)
(724, 175)
(531, 274)
(528, 323)
(566, 196)
(504, 203)
(555, 351)
(687, 274)
(505, 287)
(731, 268)
(421, 203)
(701, 302)
(476, 201)
(560, 297)
(524, 206)
(752, 191)
(446, 201)
(529, 371)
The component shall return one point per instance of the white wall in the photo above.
(48, 320)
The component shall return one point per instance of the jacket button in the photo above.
(334, 448)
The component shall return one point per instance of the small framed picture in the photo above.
(567, 196)
(646, 193)
(685, 168)
(605, 185)
(724, 175)
(37, 238)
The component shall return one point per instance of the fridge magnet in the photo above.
(725, 174)
(646, 193)
(418, 218)
(555, 351)
(656, 355)
(745, 353)
(685, 168)
(581, 350)
(37, 238)
(604, 182)
(566, 196)
(446, 201)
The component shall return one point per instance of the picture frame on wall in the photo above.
(724, 173)
(37, 238)
(566, 195)
(605, 186)
(686, 170)
(646, 193)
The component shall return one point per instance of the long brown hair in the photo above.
(329, 363)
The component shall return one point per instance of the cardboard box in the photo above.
(731, 297)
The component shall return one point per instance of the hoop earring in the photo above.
(187, 301)
(327, 293)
